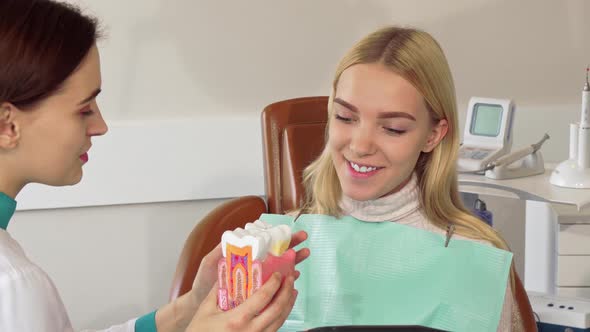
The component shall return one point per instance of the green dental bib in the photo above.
(363, 273)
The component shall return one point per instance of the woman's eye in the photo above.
(343, 119)
(394, 131)
(86, 112)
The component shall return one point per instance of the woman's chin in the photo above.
(64, 181)
(75, 180)
(361, 196)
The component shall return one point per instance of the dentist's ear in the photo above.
(9, 128)
(437, 133)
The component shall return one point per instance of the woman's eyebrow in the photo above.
(346, 104)
(389, 115)
(383, 115)
(89, 98)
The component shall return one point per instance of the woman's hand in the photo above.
(207, 275)
(248, 316)
(296, 239)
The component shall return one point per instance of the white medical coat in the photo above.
(29, 301)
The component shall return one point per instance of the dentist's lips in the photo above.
(84, 157)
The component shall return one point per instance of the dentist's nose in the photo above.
(97, 125)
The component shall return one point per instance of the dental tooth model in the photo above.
(250, 256)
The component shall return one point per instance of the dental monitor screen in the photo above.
(486, 120)
(488, 133)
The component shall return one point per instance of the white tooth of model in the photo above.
(264, 240)
(232, 237)
(262, 224)
(240, 232)
(243, 239)
(250, 226)
(281, 237)
(261, 237)
(258, 224)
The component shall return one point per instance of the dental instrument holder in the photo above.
(575, 172)
(529, 165)
(524, 162)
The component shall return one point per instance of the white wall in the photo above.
(166, 59)
(172, 58)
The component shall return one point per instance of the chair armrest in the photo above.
(207, 234)
(524, 306)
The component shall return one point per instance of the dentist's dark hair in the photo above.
(42, 42)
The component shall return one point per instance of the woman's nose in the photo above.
(362, 142)
(97, 126)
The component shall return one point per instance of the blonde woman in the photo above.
(392, 144)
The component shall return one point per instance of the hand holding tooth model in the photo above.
(250, 257)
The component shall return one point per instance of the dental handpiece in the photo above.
(518, 154)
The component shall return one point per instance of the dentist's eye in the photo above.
(86, 112)
(343, 119)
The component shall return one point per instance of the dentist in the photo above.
(49, 80)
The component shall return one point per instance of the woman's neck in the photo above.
(400, 187)
(392, 207)
(10, 187)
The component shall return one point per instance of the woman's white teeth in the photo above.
(362, 169)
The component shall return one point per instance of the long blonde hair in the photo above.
(418, 58)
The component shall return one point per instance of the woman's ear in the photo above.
(9, 129)
(437, 133)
